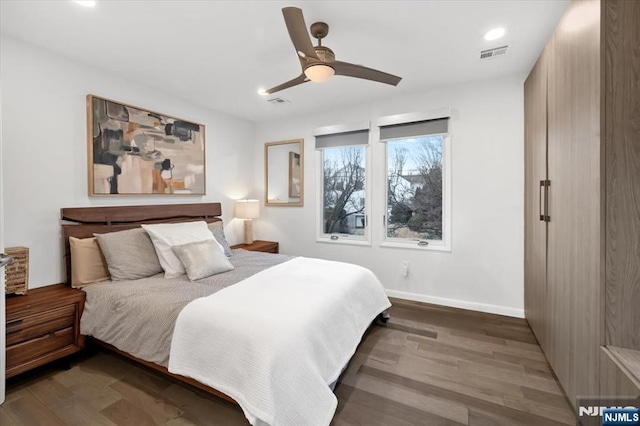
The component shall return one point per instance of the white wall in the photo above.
(484, 270)
(45, 149)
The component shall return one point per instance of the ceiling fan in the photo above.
(318, 63)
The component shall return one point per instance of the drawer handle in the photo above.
(14, 322)
(62, 332)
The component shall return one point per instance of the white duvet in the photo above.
(274, 341)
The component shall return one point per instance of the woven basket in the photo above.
(16, 274)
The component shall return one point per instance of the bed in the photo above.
(262, 335)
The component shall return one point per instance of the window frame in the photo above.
(321, 237)
(405, 243)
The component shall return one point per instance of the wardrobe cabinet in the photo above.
(582, 198)
(535, 128)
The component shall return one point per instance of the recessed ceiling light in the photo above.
(85, 3)
(494, 34)
(262, 92)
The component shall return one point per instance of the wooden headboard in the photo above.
(100, 220)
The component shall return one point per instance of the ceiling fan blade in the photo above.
(298, 31)
(296, 81)
(358, 71)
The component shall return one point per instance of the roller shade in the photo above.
(417, 128)
(358, 137)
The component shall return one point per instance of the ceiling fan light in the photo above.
(319, 73)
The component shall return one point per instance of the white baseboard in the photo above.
(462, 304)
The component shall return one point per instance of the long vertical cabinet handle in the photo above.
(547, 185)
(542, 210)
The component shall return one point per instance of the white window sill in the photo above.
(412, 245)
(344, 240)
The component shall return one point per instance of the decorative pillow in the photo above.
(129, 254)
(202, 259)
(166, 235)
(87, 264)
(217, 230)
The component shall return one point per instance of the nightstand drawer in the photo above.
(259, 245)
(266, 250)
(38, 325)
(31, 349)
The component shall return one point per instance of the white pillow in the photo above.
(166, 235)
(202, 259)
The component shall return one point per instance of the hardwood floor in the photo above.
(429, 365)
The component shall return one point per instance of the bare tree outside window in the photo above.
(344, 190)
(414, 191)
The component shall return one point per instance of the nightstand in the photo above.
(43, 326)
(258, 245)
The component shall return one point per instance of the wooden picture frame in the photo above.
(135, 151)
(280, 167)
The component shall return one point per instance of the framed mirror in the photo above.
(284, 173)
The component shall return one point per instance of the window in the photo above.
(343, 185)
(417, 188)
(414, 188)
(343, 195)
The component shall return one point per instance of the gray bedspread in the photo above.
(138, 316)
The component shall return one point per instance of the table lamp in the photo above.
(248, 210)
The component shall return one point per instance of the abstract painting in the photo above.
(133, 151)
(294, 174)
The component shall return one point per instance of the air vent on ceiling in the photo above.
(278, 101)
(492, 53)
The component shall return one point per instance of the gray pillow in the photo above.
(130, 254)
(217, 230)
(202, 259)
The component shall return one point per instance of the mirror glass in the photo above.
(283, 165)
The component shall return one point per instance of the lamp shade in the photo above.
(247, 209)
(319, 73)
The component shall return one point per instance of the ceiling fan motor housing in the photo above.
(325, 54)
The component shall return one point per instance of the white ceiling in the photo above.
(219, 53)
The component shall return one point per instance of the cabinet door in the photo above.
(622, 132)
(575, 200)
(535, 169)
